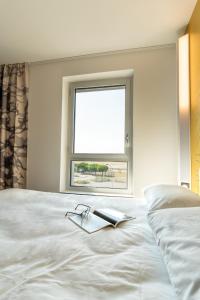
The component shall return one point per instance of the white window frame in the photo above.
(127, 156)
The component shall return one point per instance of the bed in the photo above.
(45, 256)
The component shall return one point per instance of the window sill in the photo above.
(98, 194)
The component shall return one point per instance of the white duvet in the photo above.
(177, 232)
(44, 256)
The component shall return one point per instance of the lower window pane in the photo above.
(95, 174)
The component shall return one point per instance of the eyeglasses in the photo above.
(83, 212)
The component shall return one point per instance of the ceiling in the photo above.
(34, 30)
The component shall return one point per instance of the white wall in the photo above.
(155, 133)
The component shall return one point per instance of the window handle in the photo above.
(127, 138)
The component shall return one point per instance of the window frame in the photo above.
(127, 156)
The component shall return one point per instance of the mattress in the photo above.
(44, 256)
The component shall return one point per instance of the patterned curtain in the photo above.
(13, 125)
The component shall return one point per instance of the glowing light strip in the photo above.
(184, 87)
(184, 110)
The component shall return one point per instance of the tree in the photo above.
(82, 167)
(102, 168)
(91, 168)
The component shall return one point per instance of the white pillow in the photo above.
(169, 196)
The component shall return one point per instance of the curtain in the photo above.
(13, 125)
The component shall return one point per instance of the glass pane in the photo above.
(100, 120)
(96, 174)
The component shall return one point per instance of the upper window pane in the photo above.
(100, 120)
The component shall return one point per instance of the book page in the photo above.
(90, 224)
(111, 215)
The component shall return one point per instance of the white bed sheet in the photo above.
(44, 256)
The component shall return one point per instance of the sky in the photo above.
(100, 121)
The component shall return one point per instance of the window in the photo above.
(100, 137)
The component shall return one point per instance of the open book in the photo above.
(99, 219)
